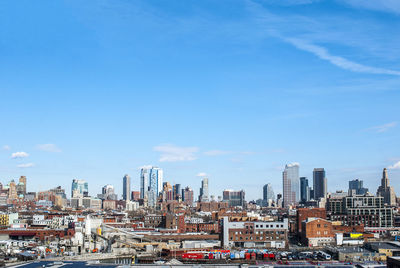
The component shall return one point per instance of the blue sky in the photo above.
(233, 89)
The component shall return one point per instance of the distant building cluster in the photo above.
(164, 218)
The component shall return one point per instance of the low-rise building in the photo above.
(316, 232)
(254, 233)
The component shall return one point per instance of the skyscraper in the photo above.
(320, 183)
(22, 184)
(108, 193)
(188, 196)
(203, 197)
(177, 191)
(386, 191)
(234, 198)
(79, 188)
(151, 184)
(357, 185)
(291, 187)
(304, 190)
(268, 194)
(126, 191)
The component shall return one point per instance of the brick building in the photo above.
(305, 213)
(316, 232)
(250, 234)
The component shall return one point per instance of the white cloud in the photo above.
(26, 165)
(172, 153)
(48, 148)
(202, 174)
(6, 148)
(19, 155)
(384, 127)
(341, 62)
(216, 152)
(395, 165)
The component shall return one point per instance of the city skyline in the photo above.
(235, 91)
(216, 193)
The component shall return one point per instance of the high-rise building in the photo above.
(177, 191)
(203, 197)
(386, 191)
(320, 183)
(268, 194)
(291, 187)
(366, 209)
(188, 196)
(151, 184)
(79, 188)
(234, 198)
(357, 186)
(108, 193)
(304, 190)
(21, 186)
(135, 195)
(126, 191)
(12, 190)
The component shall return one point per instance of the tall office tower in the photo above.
(291, 187)
(177, 191)
(268, 193)
(22, 184)
(357, 186)
(167, 193)
(59, 191)
(234, 198)
(320, 183)
(188, 196)
(386, 191)
(79, 188)
(304, 190)
(126, 191)
(203, 197)
(12, 190)
(151, 184)
(108, 193)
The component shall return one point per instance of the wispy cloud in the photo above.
(49, 147)
(216, 152)
(384, 127)
(6, 148)
(308, 32)
(202, 174)
(19, 155)
(26, 165)
(341, 62)
(395, 165)
(291, 2)
(172, 153)
(392, 6)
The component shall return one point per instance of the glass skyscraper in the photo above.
(320, 183)
(358, 186)
(79, 187)
(126, 183)
(268, 193)
(291, 187)
(304, 189)
(151, 181)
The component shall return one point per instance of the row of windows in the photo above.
(261, 232)
(259, 238)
